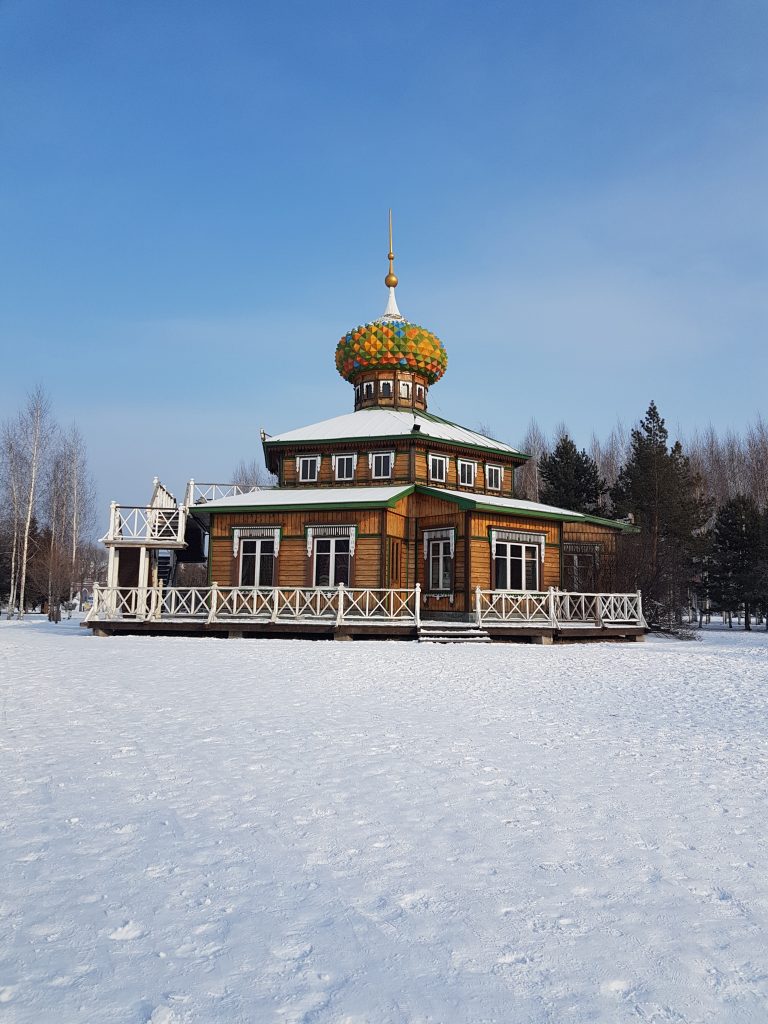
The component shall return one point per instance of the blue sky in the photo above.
(193, 203)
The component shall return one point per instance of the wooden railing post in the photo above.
(478, 610)
(551, 610)
(158, 601)
(640, 619)
(275, 604)
(340, 606)
(598, 610)
(417, 604)
(214, 601)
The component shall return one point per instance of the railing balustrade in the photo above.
(547, 609)
(151, 525)
(274, 604)
(199, 494)
(558, 608)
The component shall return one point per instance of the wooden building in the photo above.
(384, 517)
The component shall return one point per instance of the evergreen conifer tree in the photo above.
(660, 489)
(570, 478)
(737, 557)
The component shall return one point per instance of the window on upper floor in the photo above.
(345, 467)
(358, 393)
(368, 389)
(385, 388)
(405, 389)
(467, 473)
(494, 476)
(309, 468)
(438, 468)
(420, 392)
(381, 465)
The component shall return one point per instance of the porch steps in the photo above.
(452, 633)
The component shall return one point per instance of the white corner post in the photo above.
(214, 602)
(478, 611)
(551, 611)
(340, 606)
(417, 604)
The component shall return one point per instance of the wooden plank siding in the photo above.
(405, 523)
(293, 568)
(482, 570)
(411, 465)
(608, 541)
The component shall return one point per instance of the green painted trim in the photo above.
(331, 506)
(475, 506)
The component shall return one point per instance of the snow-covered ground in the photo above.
(284, 831)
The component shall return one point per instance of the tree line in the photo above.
(700, 506)
(46, 511)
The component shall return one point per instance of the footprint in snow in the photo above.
(130, 930)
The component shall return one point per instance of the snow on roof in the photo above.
(389, 423)
(513, 504)
(519, 505)
(282, 497)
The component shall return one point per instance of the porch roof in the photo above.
(281, 499)
(509, 506)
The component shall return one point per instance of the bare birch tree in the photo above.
(527, 479)
(10, 467)
(34, 435)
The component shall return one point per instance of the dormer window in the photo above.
(385, 388)
(380, 464)
(494, 475)
(308, 467)
(438, 468)
(467, 473)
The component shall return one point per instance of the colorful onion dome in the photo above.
(391, 343)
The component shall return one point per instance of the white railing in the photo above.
(274, 604)
(199, 494)
(549, 609)
(147, 524)
(558, 608)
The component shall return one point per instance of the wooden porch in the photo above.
(350, 612)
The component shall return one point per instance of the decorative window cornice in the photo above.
(255, 533)
(518, 537)
(445, 533)
(331, 531)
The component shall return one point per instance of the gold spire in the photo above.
(391, 279)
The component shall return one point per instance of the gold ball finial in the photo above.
(391, 279)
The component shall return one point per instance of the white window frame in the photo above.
(372, 456)
(492, 468)
(368, 389)
(336, 460)
(473, 467)
(358, 392)
(258, 541)
(444, 548)
(529, 552)
(333, 541)
(443, 460)
(420, 392)
(404, 389)
(300, 460)
(391, 385)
